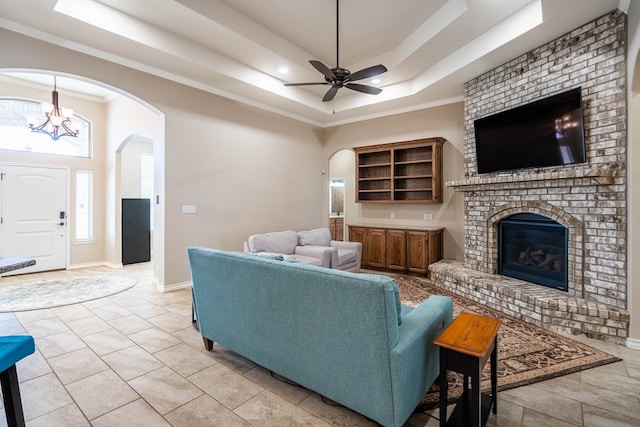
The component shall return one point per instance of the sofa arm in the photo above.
(321, 252)
(354, 246)
(415, 360)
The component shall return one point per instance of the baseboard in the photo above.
(174, 287)
(633, 344)
(92, 265)
(113, 264)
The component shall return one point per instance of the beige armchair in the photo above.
(346, 256)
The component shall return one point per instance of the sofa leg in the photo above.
(208, 344)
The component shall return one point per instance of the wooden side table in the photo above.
(465, 347)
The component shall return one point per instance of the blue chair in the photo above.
(13, 349)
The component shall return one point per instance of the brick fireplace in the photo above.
(587, 199)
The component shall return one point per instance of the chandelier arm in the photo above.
(42, 129)
(54, 133)
(68, 130)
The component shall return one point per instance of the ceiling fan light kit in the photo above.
(339, 77)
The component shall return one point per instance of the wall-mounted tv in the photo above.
(546, 132)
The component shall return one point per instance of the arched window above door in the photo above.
(15, 133)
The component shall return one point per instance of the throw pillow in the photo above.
(283, 242)
(317, 237)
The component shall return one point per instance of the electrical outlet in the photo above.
(393, 215)
(189, 209)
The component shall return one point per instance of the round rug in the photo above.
(36, 295)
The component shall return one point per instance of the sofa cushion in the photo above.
(282, 242)
(317, 237)
(346, 256)
(304, 259)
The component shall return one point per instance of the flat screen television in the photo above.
(546, 132)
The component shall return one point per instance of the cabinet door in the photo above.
(434, 247)
(357, 234)
(417, 242)
(339, 229)
(375, 243)
(332, 228)
(396, 253)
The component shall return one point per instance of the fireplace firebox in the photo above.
(533, 247)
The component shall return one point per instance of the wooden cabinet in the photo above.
(401, 250)
(375, 242)
(336, 226)
(401, 172)
(373, 245)
(396, 250)
(423, 248)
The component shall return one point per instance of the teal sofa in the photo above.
(343, 335)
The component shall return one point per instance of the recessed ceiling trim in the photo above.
(116, 22)
(524, 20)
(391, 112)
(444, 17)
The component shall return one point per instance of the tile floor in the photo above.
(134, 359)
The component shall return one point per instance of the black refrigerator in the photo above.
(136, 234)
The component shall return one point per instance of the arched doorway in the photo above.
(116, 117)
(341, 191)
(137, 197)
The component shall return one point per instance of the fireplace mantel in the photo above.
(577, 177)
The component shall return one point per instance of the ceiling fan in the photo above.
(339, 77)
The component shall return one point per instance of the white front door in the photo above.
(33, 205)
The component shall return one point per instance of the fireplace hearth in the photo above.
(533, 247)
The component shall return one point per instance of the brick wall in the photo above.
(589, 199)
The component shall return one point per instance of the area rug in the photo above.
(35, 295)
(526, 353)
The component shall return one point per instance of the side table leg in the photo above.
(494, 376)
(444, 384)
(476, 405)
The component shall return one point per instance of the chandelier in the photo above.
(58, 121)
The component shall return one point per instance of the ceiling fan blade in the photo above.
(331, 93)
(305, 84)
(326, 71)
(368, 72)
(371, 90)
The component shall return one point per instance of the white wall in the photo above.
(130, 169)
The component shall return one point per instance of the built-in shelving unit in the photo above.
(401, 172)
